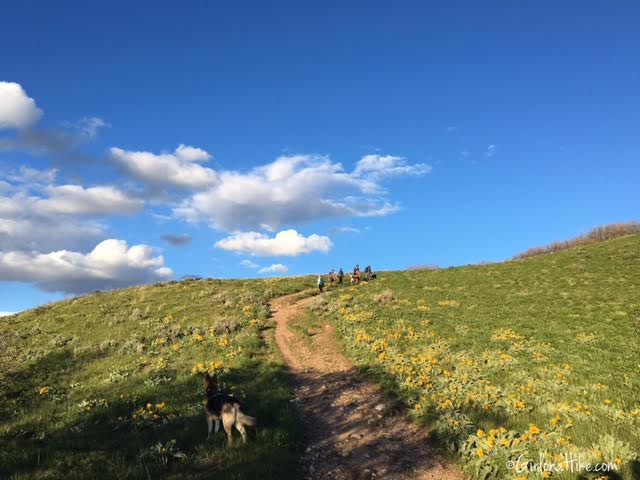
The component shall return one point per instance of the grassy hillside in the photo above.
(535, 356)
(528, 357)
(110, 385)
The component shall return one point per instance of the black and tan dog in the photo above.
(220, 406)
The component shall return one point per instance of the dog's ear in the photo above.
(210, 381)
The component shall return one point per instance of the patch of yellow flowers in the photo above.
(212, 367)
(451, 383)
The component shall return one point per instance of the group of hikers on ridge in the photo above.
(355, 277)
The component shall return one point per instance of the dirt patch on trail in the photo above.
(348, 433)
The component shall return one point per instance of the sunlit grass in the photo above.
(531, 356)
(110, 385)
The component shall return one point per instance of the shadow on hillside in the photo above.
(22, 384)
(103, 440)
(347, 437)
(389, 385)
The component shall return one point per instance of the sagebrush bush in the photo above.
(226, 325)
(385, 296)
(319, 304)
(136, 315)
(133, 345)
(107, 345)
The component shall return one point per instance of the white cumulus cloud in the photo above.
(295, 189)
(192, 154)
(275, 268)
(35, 232)
(180, 169)
(17, 109)
(111, 264)
(285, 243)
(99, 200)
(29, 176)
(37, 215)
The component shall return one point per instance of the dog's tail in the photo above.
(245, 419)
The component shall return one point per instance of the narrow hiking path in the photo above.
(348, 433)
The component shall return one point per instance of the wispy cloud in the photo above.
(88, 126)
(249, 264)
(380, 166)
(491, 151)
(61, 146)
(275, 268)
(344, 229)
(19, 112)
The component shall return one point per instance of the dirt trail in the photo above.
(349, 435)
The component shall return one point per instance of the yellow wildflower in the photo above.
(196, 337)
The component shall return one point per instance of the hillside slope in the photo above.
(528, 357)
(109, 385)
(518, 358)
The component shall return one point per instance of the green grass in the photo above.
(533, 356)
(77, 378)
(540, 354)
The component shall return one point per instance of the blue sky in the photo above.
(314, 136)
